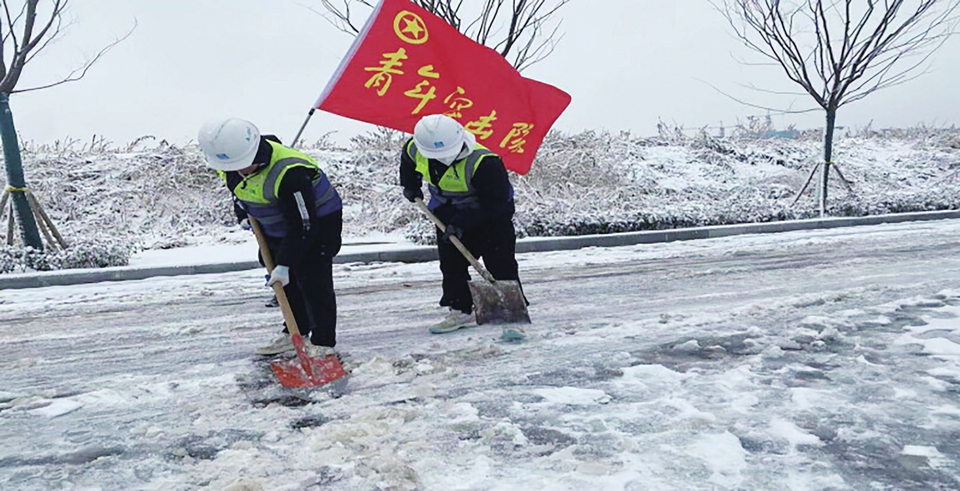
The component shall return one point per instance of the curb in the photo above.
(415, 254)
(714, 231)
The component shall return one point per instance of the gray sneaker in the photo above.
(281, 344)
(319, 352)
(453, 321)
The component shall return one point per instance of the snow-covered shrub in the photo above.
(99, 254)
(367, 177)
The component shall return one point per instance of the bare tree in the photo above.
(841, 51)
(522, 31)
(27, 28)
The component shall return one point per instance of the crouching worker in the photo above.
(471, 194)
(300, 214)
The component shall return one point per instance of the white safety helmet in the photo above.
(441, 137)
(229, 144)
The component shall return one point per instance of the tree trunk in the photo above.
(11, 156)
(827, 159)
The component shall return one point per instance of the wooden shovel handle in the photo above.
(277, 287)
(463, 250)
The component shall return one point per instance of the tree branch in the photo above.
(868, 54)
(79, 73)
(524, 38)
(757, 106)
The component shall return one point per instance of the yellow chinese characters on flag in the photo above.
(408, 63)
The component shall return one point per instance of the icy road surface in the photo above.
(798, 361)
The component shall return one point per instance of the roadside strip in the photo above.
(414, 254)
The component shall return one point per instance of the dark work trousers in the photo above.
(495, 242)
(310, 291)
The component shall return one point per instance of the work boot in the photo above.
(281, 344)
(453, 321)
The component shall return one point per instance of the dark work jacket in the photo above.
(490, 181)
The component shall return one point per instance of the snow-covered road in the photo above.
(799, 361)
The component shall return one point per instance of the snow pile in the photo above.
(151, 195)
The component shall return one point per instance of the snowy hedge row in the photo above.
(81, 255)
(157, 195)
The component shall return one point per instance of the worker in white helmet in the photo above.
(471, 194)
(300, 214)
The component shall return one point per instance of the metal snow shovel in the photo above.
(494, 301)
(309, 372)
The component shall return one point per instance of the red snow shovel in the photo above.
(309, 372)
(494, 301)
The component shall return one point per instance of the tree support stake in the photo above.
(50, 232)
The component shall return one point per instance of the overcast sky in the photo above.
(627, 63)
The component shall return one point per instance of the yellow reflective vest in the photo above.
(257, 192)
(454, 186)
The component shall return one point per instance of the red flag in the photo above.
(408, 63)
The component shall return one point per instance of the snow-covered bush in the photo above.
(156, 195)
(99, 254)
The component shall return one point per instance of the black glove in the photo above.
(412, 194)
(452, 231)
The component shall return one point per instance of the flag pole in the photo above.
(302, 127)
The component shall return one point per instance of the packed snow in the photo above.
(815, 360)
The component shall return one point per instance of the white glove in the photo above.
(245, 224)
(281, 274)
